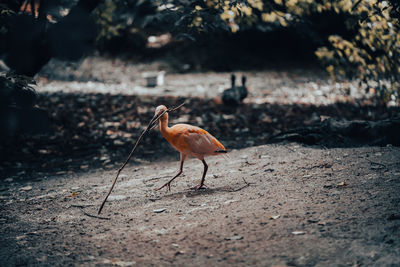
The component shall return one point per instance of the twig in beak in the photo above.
(154, 120)
(150, 126)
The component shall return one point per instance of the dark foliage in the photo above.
(17, 112)
(30, 40)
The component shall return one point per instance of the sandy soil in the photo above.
(267, 205)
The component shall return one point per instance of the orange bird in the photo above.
(189, 141)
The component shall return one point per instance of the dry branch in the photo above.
(150, 126)
(240, 188)
(94, 216)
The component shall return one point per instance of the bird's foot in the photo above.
(168, 185)
(199, 186)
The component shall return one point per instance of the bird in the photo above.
(230, 96)
(234, 96)
(189, 140)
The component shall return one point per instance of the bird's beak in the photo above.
(153, 122)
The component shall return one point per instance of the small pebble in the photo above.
(158, 210)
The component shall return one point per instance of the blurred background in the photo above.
(80, 79)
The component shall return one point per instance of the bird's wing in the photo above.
(202, 142)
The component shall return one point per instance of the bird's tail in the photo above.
(223, 153)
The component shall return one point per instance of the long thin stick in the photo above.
(151, 125)
(94, 216)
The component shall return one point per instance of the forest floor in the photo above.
(98, 107)
(331, 204)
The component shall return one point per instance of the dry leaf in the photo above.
(26, 188)
(342, 183)
(274, 217)
(235, 237)
(159, 210)
(298, 232)
(118, 142)
(126, 135)
(110, 132)
(44, 151)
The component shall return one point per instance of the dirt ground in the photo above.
(267, 205)
(284, 204)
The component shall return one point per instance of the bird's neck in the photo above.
(164, 129)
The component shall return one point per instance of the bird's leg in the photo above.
(168, 184)
(201, 185)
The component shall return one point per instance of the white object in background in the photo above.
(154, 79)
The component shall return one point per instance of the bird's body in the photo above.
(234, 96)
(192, 140)
(189, 140)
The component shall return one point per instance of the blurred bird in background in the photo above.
(234, 96)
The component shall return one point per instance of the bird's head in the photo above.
(233, 78)
(160, 109)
